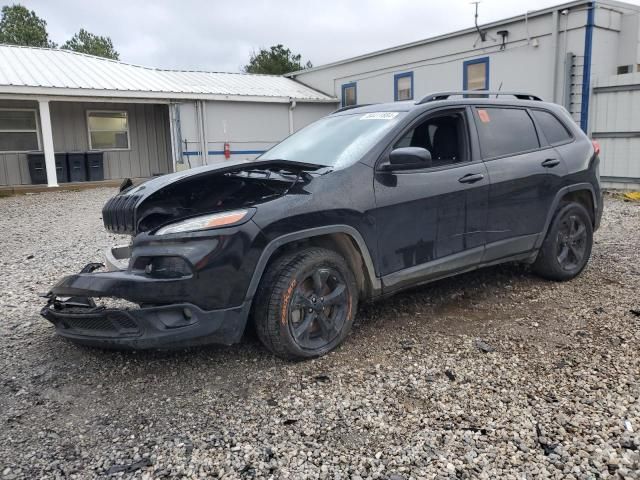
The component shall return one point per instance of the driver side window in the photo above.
(443, 135)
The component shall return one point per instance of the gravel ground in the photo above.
(493, 374)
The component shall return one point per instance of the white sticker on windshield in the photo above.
(379, 116)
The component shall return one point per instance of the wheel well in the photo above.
(341, 243)
(584, 198)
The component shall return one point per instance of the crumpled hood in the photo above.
(211, 188)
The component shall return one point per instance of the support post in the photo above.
(47, 143)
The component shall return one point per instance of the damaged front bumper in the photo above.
(166, 326)
(76, 316)
(179, 291)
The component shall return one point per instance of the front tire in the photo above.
(567, 246)
(305, 304)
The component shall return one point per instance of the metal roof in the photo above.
(45, 71)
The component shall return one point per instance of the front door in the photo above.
(431, 221)
(525, 177)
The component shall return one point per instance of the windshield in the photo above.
(335, 141)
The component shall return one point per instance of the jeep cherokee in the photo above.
(363, 203)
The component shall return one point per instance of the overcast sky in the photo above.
(220, 35)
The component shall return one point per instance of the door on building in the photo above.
(431, 221)
(525, 173)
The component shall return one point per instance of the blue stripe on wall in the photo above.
(221, 152)
(586, 71)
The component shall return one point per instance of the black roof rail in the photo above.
(432, 97)
(349, 107)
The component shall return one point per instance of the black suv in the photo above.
(359, 205)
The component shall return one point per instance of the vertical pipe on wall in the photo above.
(47, 143)
(292, 107)
(555, 20)
(173, 133)
(205, 142)
(586, 71)
(196, 106)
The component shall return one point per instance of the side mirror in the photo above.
(408, 158)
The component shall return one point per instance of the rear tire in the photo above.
(567, 246)
(306, 303)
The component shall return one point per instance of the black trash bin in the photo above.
(62, 170)
(95, 166)
(77, 167)
(37, 168)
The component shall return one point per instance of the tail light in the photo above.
(596, 146)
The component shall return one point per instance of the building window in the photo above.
(108, 130)
(475, 74)
(349, 94)
(625, 69)
(18, 130)
(403, 86)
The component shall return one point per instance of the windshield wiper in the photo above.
(293, 164)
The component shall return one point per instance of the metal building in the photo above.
(582, 54)
(143, 121)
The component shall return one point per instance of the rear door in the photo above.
(431, 221)
(524, 173)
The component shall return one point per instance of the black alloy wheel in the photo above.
(306, 303)
(567, 246)
(319, 308)
(571, 242)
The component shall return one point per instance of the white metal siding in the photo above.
(616, 125)
(249, 128)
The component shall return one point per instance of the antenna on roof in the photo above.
(482, 33)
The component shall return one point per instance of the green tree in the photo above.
(275, 61)
(20, 26)
(86, 42)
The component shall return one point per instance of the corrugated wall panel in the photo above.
(141, 147)
(152, 140)
(616, 125)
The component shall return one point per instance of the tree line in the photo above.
(21, 26)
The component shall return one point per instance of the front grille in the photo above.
(106, 323)
(118, 214)
(100, 324)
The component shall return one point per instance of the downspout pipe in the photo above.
(586, 72)
(205, 132)
(292, 107)
(554, 45)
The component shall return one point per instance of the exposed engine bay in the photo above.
(157, 202)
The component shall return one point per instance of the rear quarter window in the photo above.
(553, 129)
(505, 131)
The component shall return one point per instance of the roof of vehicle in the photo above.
(438, 99)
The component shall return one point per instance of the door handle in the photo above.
(550, 162)
(471, 178)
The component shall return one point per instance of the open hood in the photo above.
(207, 189)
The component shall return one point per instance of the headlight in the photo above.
(204, 222)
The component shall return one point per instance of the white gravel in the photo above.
(414, 392)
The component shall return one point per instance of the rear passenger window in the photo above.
(505, 131)
(551, 127)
